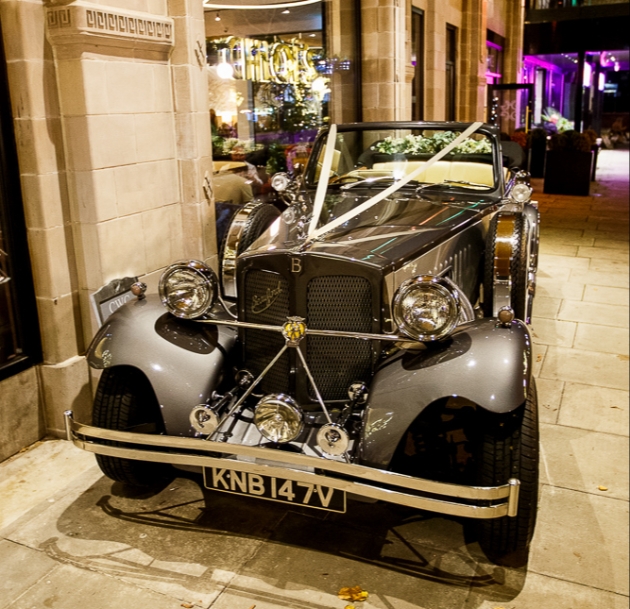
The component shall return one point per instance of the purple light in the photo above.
(588, 73)
(602, 82)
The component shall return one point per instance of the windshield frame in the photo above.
(489, 131)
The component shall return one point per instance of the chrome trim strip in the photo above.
(202, 453)
(309, 332)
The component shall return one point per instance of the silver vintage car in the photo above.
(368, 340)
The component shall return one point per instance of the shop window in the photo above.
(451, 73)
(277, 76)
(494, 68)
(417, 60)
(19, 329)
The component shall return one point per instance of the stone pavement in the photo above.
(71, 538)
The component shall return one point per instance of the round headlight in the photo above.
(521, 193)
(280, 182)
(426, 309)
(188, 289)
(278, 418)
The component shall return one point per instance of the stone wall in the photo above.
(110, 111)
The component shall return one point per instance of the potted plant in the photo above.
(537, 150)
(568, 165)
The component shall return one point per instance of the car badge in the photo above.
(260, 304)
(294, 330)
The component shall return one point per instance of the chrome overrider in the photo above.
(369, 482)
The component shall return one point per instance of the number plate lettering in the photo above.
(275, 489)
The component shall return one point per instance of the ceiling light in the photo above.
(247, 7)
(218, 17)
(286, 11)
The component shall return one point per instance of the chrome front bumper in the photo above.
(428, 495)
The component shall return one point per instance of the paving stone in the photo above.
(584, 460)
(545, 307)
(595, 313)
(600, 278)
(549, 399)
(612, 244)
(582, 538)
(552, 332)
(21, 568)
(68, 587)
(588, 367)
(603, 339)
(549, 287)
(563, 262)
(540, 592)
(606, 295)
(34, 476)
(596, 408)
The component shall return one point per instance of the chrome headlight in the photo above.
(280, 182)
(278, 418)
(188, 289)
(427, 308)
(521, 193)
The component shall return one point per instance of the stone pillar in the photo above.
(473, 53)
(514, 40)
(42, 163)
(387, 70)
(192, 129)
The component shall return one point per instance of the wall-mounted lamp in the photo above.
(218, 17)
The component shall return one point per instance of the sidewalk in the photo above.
(70, 539)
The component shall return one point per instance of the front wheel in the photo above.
(509, 448)
(125, 401)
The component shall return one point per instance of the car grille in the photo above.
(338, 302)
(261, 346)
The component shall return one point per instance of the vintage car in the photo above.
(368, 340)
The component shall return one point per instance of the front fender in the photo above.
(184, 361)
(483, 362)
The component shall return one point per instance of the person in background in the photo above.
(231, 184)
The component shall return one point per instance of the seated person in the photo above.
(231, 184)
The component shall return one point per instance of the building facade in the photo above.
(110, 109)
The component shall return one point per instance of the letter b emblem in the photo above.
(296, 265)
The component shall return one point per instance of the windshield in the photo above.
(375, 158)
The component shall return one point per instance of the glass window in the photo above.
(277, 76)
(19, 329)
(417, 60)
(451, 76)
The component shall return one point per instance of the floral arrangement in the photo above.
(419, 144)
(554, 122)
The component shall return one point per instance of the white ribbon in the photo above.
(324, 178)
(353, 213)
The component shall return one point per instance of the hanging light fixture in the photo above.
(266, 6)
(218, 17)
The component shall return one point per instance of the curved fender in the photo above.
(183, 360)
(483, 362)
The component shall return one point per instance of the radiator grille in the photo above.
(339, 303)
(267, 302)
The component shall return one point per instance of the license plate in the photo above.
(282, 490)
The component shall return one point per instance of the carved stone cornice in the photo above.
(95, 24)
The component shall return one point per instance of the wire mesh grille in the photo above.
(339, 303)
(267, 302)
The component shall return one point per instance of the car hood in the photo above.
(386, 235)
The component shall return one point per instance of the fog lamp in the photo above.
(188, 289)
(278, 418)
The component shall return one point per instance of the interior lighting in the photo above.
(286, 11)
(588, 73)
(601, 85)
(225, 71)
(218, 17)
(251, 7)
(617, 68)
